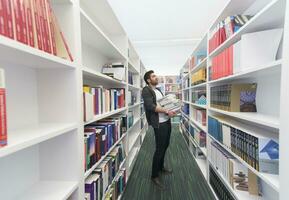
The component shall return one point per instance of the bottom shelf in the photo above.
(202, 163)
(47, 190)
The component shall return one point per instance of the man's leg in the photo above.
(167, 131)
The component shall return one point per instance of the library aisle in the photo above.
(186, 182)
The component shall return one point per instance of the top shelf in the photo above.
(93, 36)
(270, 17)
(29, 56)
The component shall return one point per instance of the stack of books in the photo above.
(3, 115)
(98, 100)
(33, 22)
(115, 70)
(234, 97)
(100, 136)
(170, 103)
(96, 185)
(225, 29)
(199, 77)
(255, 147)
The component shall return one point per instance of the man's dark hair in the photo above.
(148, 76)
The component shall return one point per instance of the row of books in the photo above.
(246, 54)
(225, 29)
(197, 58)
(132, 98)
(200, 115)
(115, 70)
(258, 150)
(186, 83)
(3, 114)
(199, 76)
(98, 100)
(218, 186)
(117, 187)
(100, 136)
(33, 23)
(234, 97)
(199, 97)
(130, 78)
(238, 176)
(199, 135)
(186, 109)
(171, 88)
(96, 185)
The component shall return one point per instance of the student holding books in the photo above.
(159, 119)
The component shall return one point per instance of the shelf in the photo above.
(133, 106)
(187, 88)
(93, 36)
(271, 179)
(105, 115)
(132, 68)
(257, 118)
(201, 65)
(260, 71)
(46, 190)
(240, 195)
(187, 102)
(268, 18)
(135, 138)
(29, 56)
(133, 154)
(199, 125)
(203, 149)
(134, 123)
(199, 105)
(25, 137)
(199, 85)
(88, 172)
(63, 2)
(184, 114)
(132, 87)
(100, 78)
(202, 163)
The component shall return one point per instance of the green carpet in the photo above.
(186, 182)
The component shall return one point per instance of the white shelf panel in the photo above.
(257, 118)
(132, 68)
(260, 71)
(271, 179)
(199, 85)
(47, 190)
(268, 18)
(184, 114)
(199, 105)
(134, 123)
(133, 106)
(132, 87)
(88, 172)
(99, 77)
(240, 195)
(202, 163)
(105, 115)
(93, 36)
(187, 88)
(29, 56)
(133, 155)
(25, 137)
(199, 125)
(133, 138)
(201, 65)
(187, 102)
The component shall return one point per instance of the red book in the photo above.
(42, 25)
(29, 20)
(231, 59)
(66, 47)
(3, 19)
(45, 26)
(37, 25)
(17, 20)
(3, 118)
(24, 21)
(51, 27)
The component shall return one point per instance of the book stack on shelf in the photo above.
(238, 104)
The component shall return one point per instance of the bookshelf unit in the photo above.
(272, 112)
(45, 103)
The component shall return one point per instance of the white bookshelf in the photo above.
(271, 78)
(45, 102)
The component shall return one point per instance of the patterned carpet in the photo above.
(186, 182)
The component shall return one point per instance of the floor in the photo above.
(186, 182)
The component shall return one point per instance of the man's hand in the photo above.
(171, 113)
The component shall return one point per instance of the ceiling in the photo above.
(164, 32)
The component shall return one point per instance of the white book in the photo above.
(89, 112)
(2, 78)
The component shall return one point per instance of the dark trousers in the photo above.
(162, 140)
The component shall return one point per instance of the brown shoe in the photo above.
(158, 183)
(166, 171)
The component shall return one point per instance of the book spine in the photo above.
(24, 22)
(3, 18)
(29, 19)
(3, 118)
(37, 23)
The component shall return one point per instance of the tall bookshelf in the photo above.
(45, 152)
(268, 121)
